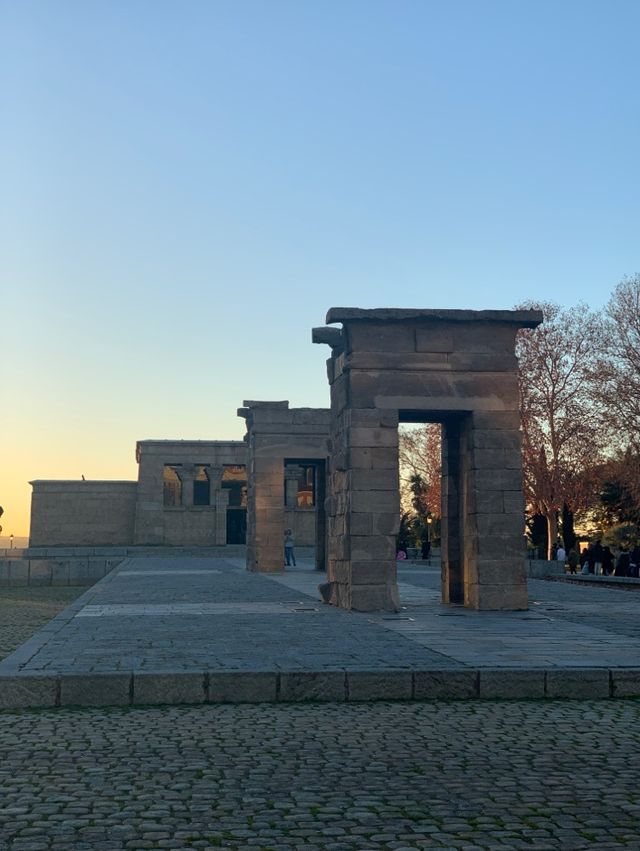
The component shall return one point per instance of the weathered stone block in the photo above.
(494, 547)
(18, 573)
(41, 572)
(380, 337)
(303, 685)
(481, 337)
(242, 687)
(502, 480)
(379, 685)
(378, 502)
(484, 502)
(445, 685)
(362, 524)
(511, 571)
(500, 525)
(483, 362)
(370, 480)
(507, 598)
(373, 572)
(383, 523)
(374, 598)
(505, 684)
(513, 502)
(370, 418)
(485, 460)
(372, 437)
(625, 682)
(169, 688)
(95, 690)
(372, 547)
(582, 683)
(362, 458)
(400, 362)
(497, 420)
(27, 691)
(434, 339)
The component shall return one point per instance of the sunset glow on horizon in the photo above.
(187, 188)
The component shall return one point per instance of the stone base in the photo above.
(361, 598)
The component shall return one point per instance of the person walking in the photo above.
(289, 544)
(573, 561)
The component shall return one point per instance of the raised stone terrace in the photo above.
(195, 630)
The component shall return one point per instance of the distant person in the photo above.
(573, 561)
(597, 556)
(561, 554)
(584, 561)
(426, 549)
(624, 563)
(289, 544)
(607, 561)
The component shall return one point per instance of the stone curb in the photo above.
(20, 691)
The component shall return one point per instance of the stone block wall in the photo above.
(276, 433)
(453, 367)
(184, 525)
(76, 513)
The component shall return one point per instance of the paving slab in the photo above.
(203, 629)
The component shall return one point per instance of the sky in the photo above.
(186, 187)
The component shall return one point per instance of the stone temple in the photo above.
(331, 475)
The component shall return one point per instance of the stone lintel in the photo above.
(521, 318)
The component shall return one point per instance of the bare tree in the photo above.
(421, 459)
(617, 382)
(561, 439)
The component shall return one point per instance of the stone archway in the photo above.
(455, 366)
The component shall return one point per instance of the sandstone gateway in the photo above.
(455, 367)
(332, 475)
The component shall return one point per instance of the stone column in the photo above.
(187, 474)
(495, 574)
(268, 514)
(452, 551)
(222, 503)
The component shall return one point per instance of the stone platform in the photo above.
(196, 630)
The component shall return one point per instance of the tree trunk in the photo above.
(552, 531)
(568, 533)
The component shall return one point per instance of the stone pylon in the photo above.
(455, 367)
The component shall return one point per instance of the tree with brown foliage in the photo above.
(420, 452)
(561, 439)
(617, 385)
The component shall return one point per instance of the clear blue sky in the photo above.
(186, 187)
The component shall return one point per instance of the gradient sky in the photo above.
(186, 187)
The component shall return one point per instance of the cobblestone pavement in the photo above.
(330, 777)
(24, 610)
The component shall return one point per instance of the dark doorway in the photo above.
(236, 525)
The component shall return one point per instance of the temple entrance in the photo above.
(432, 483)
(455, 367)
